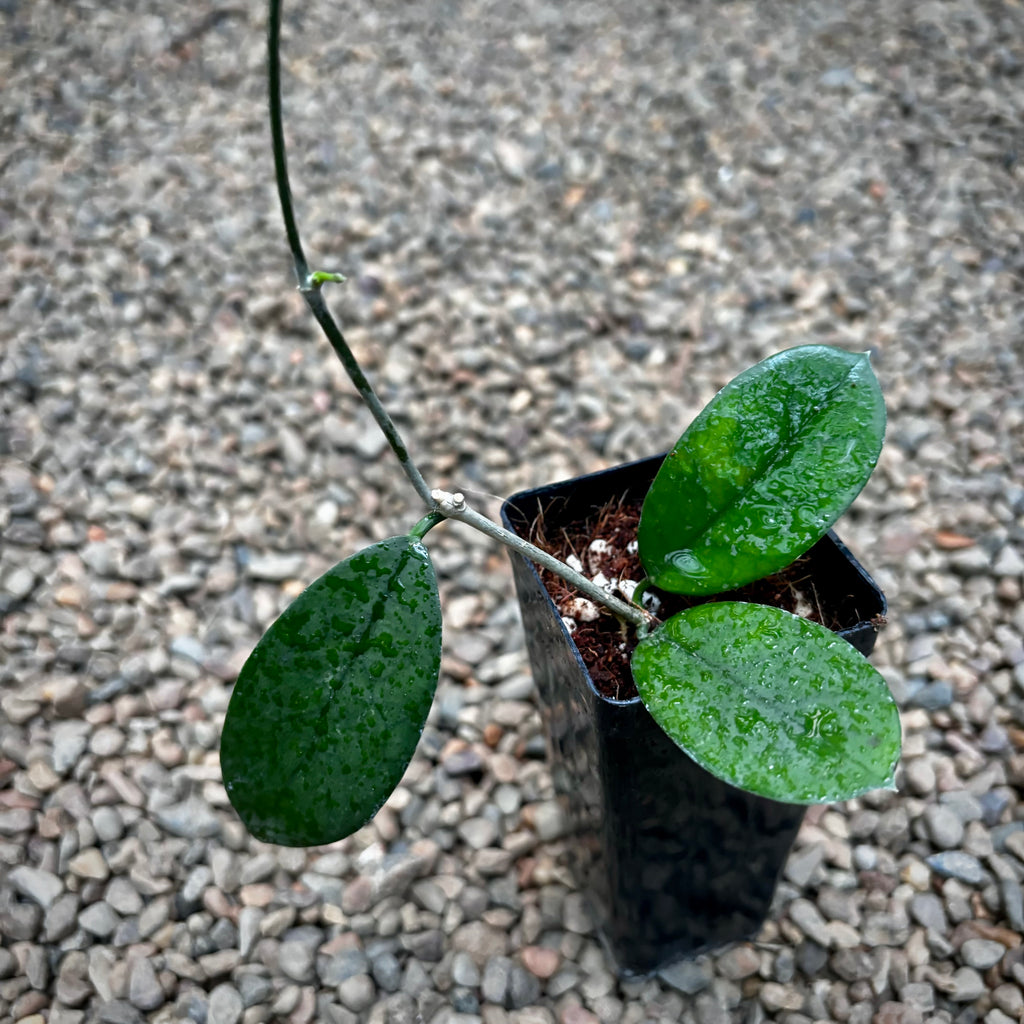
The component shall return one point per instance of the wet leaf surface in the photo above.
(327, 711)
(764, 471)
(770, 702)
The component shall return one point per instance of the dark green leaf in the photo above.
(763, 472)
(770, 702)
(327, 711)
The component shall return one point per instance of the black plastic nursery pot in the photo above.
(673, 860)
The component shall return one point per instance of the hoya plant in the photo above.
(326, 713)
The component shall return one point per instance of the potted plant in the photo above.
(675, 860)
(779, 711)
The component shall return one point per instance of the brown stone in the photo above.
(540, 961)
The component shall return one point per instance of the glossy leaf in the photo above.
(770, 702)
(763, 472)
(326, 713)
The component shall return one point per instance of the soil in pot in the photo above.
(605, 543)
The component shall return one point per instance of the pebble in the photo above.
(775, 997)
(956, 864)
(89, 863)
(481, 941)
(945, 829)
(192, 819)
(387, 972)
(495, 981)
(687, 976)
(296, 961)
(964, 986)
(357, 993)
(540, 961)
(926, 908)
(36, 884)
(144, 989)
(808, 919)
(478, 832)
(523, 988)
(982, 953)
(225, 1005)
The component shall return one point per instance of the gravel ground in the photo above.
(565, 226)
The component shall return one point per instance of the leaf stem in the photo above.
(453, 506)
(309, 284)
(426, 524)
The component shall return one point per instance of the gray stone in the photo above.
(463, 761)
(806, 916)
(257, 869)
(811, 958)
(802, 863)
(481, 941)
(920, 995)
(477, 832)
(43, 887)
(107, 823)
(70, 741)
(17, 821)
(401, 1009)
(123, 896)
(982, 953)
(549, 820)
(496, 977)
(965, 985)
(464, 1001)
(427, 946)
(1013, 902)
(1008, 562)
(687, 976)
(8, 963)
(576, 914)
(387, 972)
(958, 865)
(144, 989)
(249, 919)
(853, 964)
(192, 819)
(934, 696)
(945, 829)
(926, 908)
(523, 988)
(708, 1010)
(357, 993)
(465, 971)
(276, 568)
(225, 868)
(186, 647)
(19, 583)
(254, 988)
(99, 919)
(62, 917)
(225, 1005)
(739, 962)
(75, 980)
(342, 965)
(296, 961)
(398, 870)
(118, 1011)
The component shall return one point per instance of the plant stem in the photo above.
(454, 507)
(440, 503)
(309, 284)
